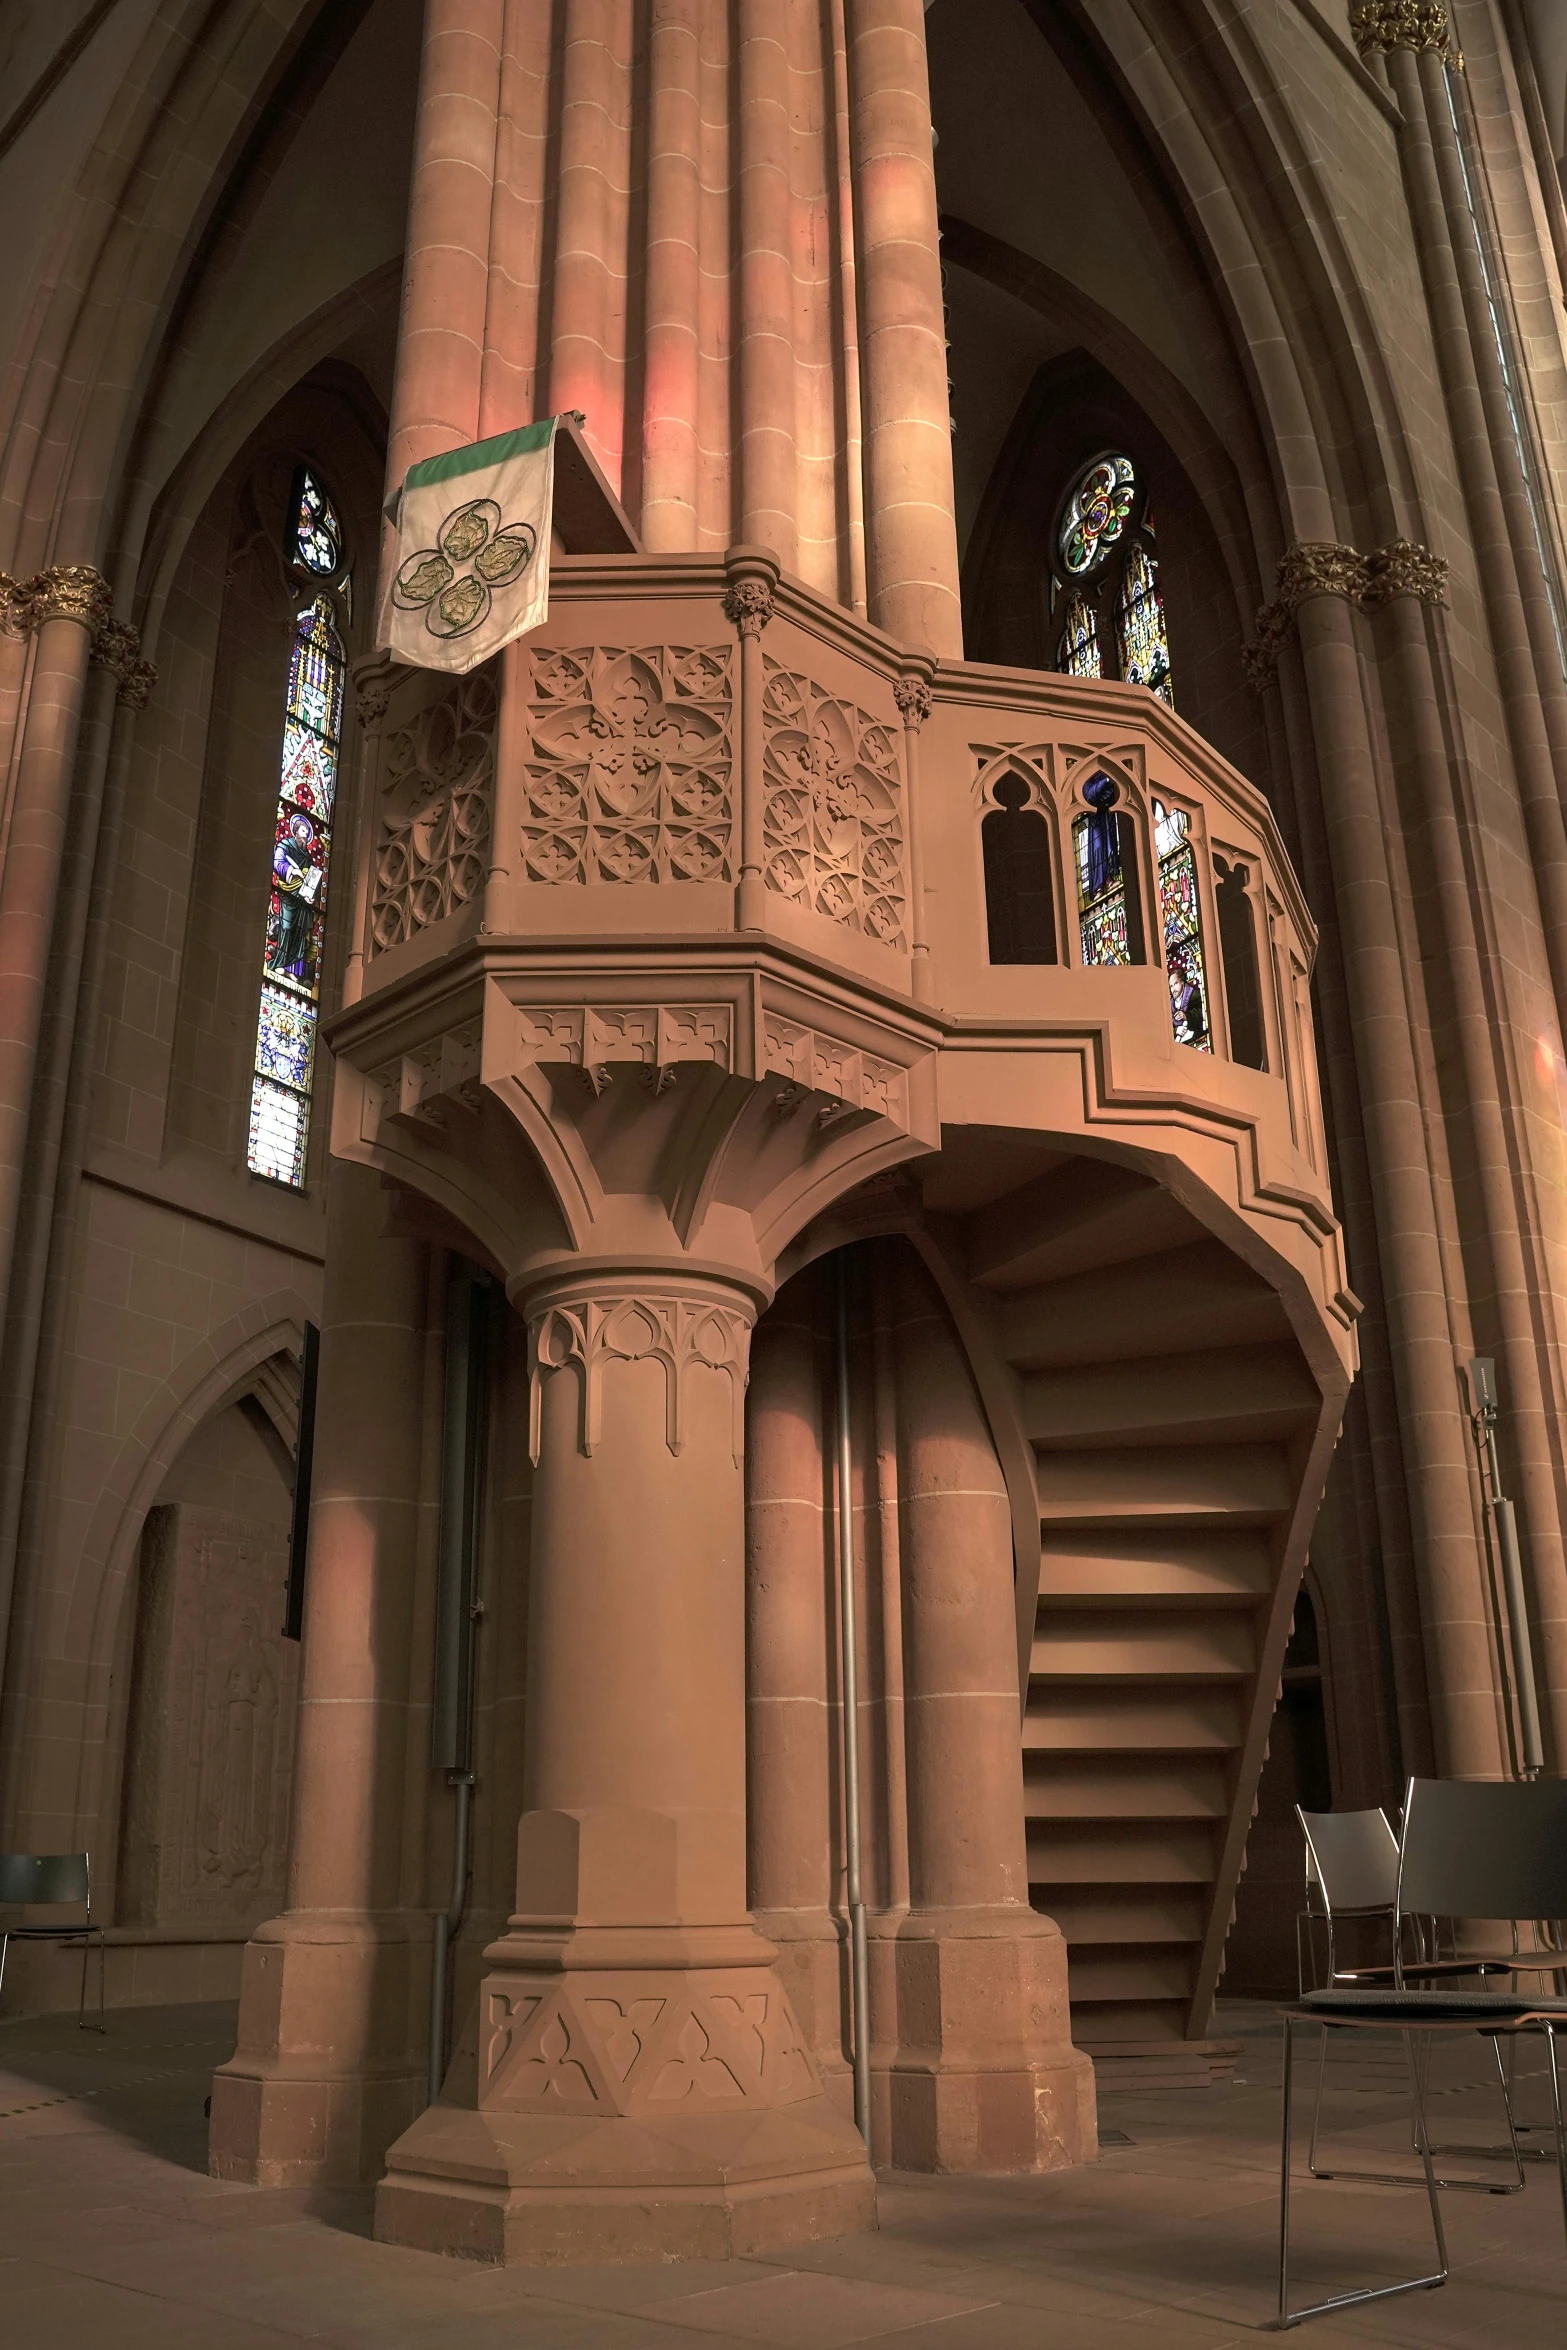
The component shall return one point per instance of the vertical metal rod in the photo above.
(1484, 1413)
(859, 1958)
(447, 1922)
(1284, 2175)
(1556, 2109)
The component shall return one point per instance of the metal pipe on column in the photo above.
(1484, 1412)
(848, 1631)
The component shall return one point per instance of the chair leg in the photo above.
(1556, 2113)
(1293, 2317)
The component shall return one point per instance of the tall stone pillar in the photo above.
(643, 2090)
(790, 1777)
(718, 242)
(985, 2076)
(330, 2057)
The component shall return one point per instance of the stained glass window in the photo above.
(314, 538)
(1098, 844)
(1180, 921)
(1106, 585)
(1079, 651)
(284, 1070)
(1140, 630)
(1097, 513)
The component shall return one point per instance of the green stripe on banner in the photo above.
(481, 456)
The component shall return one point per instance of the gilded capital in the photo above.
(69, 591)
(1320, 567)
(116, 646)
(15, 606)
(1402, 24)
(1404, 568)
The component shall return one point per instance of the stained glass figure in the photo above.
(315, 535)
(1078, 654)
(284, 1066)
(1097, 846)
(1097, 513)
(1144, 644)
(1180, 920)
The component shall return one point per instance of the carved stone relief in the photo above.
(630, 2047)
(210, 1744)
(833, 808)
(814, 1063)
(437, 777)
(630, 772)
(683, 1334)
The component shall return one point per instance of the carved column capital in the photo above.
(1403, 24)
(15, 606)
(1320, 567)
(912, 695)
(749, 606)
(375, 677)
(116, 646)
(69, 591)
(684, 1326)
(1312, 567)
(1404, 568)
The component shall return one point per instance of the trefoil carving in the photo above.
(833, 809)
(438, 775)
(629, 772)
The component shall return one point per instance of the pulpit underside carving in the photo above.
(630, 766)
(438, 776)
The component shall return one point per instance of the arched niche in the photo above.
(209, 1740)
(1073, 410)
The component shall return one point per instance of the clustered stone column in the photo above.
(329, 2061)
(972, 2063)
(761, 333)
(985, 2076)
(643, 2088)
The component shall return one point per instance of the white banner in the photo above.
(473, 551)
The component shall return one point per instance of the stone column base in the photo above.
(981, 2074)
(318, 2086)
(622, 2112)
(813, 1966)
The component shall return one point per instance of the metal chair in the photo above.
(53, 1880)
(1468, 1850)
(1352, 1865)
(1412, 2013)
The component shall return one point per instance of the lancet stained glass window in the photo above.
(314, 538)
(284, 1072)
(1141, 636)
(1079, 651)
(1180, 921)
(1098, 846)
(1108, 612)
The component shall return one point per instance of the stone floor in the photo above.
(110, 2232)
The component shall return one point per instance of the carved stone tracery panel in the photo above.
(833, 808)
(630, 772)
(437, 778)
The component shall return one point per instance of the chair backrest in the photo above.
(1353, 1857)
(1484, 1848)
(44, 1878)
